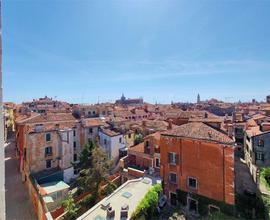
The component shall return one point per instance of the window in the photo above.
(192, 183)
(76, 171)
(157, 162)
(94, 112)
(48, 164)
(129, 135)
(74, 157)
(74, 133)
(105, 141)
(260, 156)
(39, 127)
(173, 177)
(172, 158)
(261, 143)
(48, 137)
(192, 205)
(213, 209)
(90, 130)
(48, 151)
(89, 113)
(173, 198)
(120, 140)
(147, 144)
(74, 144)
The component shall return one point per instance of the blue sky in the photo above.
(84, 50)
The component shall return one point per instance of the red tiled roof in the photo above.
(137, 148)
(199, 130)
(93, 122)
(109, 132)
(50, 117)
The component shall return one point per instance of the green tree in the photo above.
(85, 157)
(71, 208)
(138, 139)
(90, 179)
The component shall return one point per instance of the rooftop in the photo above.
(51, 187)
(109, 132)
(50, 117)
(198, 130)
(130, 193)
(93, 122)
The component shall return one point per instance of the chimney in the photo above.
(205, 115)
(170, 124)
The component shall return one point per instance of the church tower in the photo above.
(198, 99)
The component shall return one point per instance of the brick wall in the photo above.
(210, 163)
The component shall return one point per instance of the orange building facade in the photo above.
(197, 166)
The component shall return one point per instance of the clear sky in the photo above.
(84, 50)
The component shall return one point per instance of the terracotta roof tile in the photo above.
(50, 117)
(199, 130)
(93, 122)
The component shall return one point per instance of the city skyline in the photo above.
(166, 51)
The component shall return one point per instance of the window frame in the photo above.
(173, 162)
(261, 157)
(50, 152)
(90, 130)
(170, 180)
(191, 187)
(47, 136)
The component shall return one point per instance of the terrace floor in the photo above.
(130, 193)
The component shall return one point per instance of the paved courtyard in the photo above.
(18, 205)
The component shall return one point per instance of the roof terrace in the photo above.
(129, 194)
